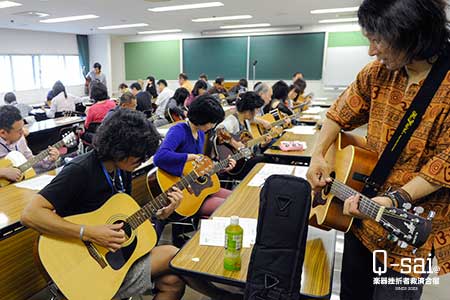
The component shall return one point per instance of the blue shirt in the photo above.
(178, 143)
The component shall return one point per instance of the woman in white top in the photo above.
(62, 101)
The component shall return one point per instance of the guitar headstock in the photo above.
(405, 226)
(70, 140)
(203, 166)
(275, 131)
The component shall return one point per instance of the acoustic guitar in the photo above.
(222, 147)
(200, 187)
(258, 130)
(351, 165)
(83, 270)
(15, 159)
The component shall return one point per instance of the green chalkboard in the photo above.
(347, 39)
(225, 57)
(160, 59)
(280, 56)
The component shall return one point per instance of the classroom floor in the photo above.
(440, 292)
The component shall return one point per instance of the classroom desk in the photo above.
(47, 132)
(292, 156)
(318, 265)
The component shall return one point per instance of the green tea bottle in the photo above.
(233, 244)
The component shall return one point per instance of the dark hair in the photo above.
(200, 84)
(97, 66)
(122, 86)
(162, 81)
(124, 134)
(50, 95)
(57, 88)
(219, 80)
(205, 109)
(280, 90)
(10, 98)
(256, 84)
(249, 101)
(301, 85)
(126, 98)
(243, 82)
(99, 91)
(136, 85)
(417, 27)
(180, 95)
(151, 89)
(204, 76)
(297, 89)
(8, 116)
(184, 76)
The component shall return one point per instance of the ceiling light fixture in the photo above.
(226, 18)
(6, 4)
(343, 20)
(69, 19)
(245, 26)
(122, 26)
(334, 10)
(252, 30)
(160, 31)
(186, 6)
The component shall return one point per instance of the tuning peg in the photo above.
(414, 250)
(402, 244)
(418, 210)
(406, 206)
(431, 215)
(392, 237)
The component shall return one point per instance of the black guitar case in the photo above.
(276, 262)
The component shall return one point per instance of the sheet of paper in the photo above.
(270, 169)
(306, 130)
(212, 231)
(314, 110)
(163, 131)
(37, 183)
(300, 171)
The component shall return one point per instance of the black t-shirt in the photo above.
(144, 101)
(81, 186)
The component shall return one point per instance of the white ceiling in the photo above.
(114, 12)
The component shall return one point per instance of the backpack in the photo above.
(276, 261)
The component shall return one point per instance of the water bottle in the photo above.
(233, 244)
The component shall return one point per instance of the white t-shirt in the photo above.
(162, 101)
(61, 103)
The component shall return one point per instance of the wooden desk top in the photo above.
(207, 261)
(54, 123)
(310, 140)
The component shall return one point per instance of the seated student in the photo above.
(102, 105)
(185, 141)
(239, 88)
(144, 99)
(61, 101)
(279, 98)
(301, 84)
(124, 141)
(184, 82)
(200, 88)
(163, 99)
(297, 76)
(175, 107)
(126, 101)
(12, 139)
(123, 88)
(247, 107)
(218, 88)
(25, 109)
(204, 77)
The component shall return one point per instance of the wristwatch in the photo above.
(398, 197)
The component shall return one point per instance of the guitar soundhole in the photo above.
(327, 188)
(126, 227)
(202, 180)
(119, 258)
(317, 198)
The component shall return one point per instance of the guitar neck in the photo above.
(150, 209)
(257, 141)
(293, 116)
(367, 206)
(224, 163)
(32, 161)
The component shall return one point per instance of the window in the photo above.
(27, 72)
(6, 84)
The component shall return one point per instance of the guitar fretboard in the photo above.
(293, 116)
(367, 206)
(32, 161)
(224, 163)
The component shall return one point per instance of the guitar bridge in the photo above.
(93, 252)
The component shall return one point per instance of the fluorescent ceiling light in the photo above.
(160, 31)
(343, 20)
(334, 10)
(186, 6)
(252, 30)
(214, 19)
(6, 4)
(122, 26)
(69, 19)
(245, 26)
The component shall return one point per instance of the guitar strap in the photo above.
(407, 126)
